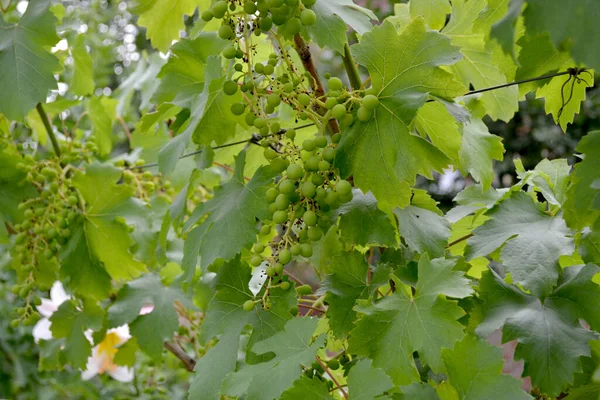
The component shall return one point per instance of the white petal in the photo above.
(58, 294)
(41, 330)
(122, 374)
(47, 308)
(122, 332)
(147, 309)
(93, 365)
(88, 335)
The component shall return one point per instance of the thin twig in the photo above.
(335, 382)
(49, 130)
(312, 308)
(351, 68)
(461, 239)
(539, 78)
(188, 361)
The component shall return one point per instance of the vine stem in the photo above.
(351, 68)
(307, 61)
(49, 130)
(461, 239)
(326, 368)
(188, 361)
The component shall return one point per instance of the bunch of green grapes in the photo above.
(145, 183)
(45, 227)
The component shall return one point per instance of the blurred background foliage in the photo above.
(125, 68)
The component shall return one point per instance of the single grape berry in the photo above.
(321, 142)
(282, 202)
(295, 172)
(308, 17)
(304, 290)
(364, 114)
(278, 268)
(308, 190)
(265, 24)
(255, 260)
(259, 248)
(328, 154)
(333, 364)
(338, 111)
(230, 88)
(270, 153)
(312, 164)
(310, 218)
(290, 134)
(270, 272)
(308, 145)
(250, 7)
(273, 100)
(207, 16)
(296, 250)
(343, 187)
(324, 165)
(285, 286)
(330, 103)
(315, 233)
(226, 32)
(285, 256)
(265, 229)
(370, 102)
(304, 99)
(280, 217)
(248, 306)
(238, 108)
(287, 187)
(219, 9)
(335, 83)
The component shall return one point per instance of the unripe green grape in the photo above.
(72, 200)
(308, 17)
(363, 114)
(317, 180)
(328, 154)
(229, 52)
(255, 260)
(259, 248)
(295, 250)
(282, 202)
(321, 142)
(287, 187)
(294, 26)
(270, 272)
(259, 68)
(271, 194)
(331, 198)
(335, 84)
(308, 145)
(334, 93)
(285, 256)
(288, 88)
(304, 99)
(310, 218)
(303, 116)
(275, 3)
(265, 229)
(269, 110)
(304, 290)
(312, 164)
(295, 171)
(239, 67)
(230, 88)
(250, 7)
(273, 100)
(309, 3)
(272, 207)
(28, 213)
(278, 268)
(345, 198)
(338, 111)
(248, 305)
(249, 118)
(207, 16)
(260, 122)
(269, 153)
(336, 138)
(280, 217)
(315, 233)
(330, 103)
(290, 134)
(226, 32)
(285, 286)
(324, 165)
(333, 364)
(279, 19)
(294, 311)
(348, 119)
(238, 108)
(219, 9)
(370, 102)
(343, 187)
(279, 164)
(265, 24)
(275, 127)
(308, 190)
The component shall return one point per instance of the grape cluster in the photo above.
(45, 227)
(145, 183)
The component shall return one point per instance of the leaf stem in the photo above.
(351, 68)
(461, 239)
(188, 361)
(49, 130)
(326, 368)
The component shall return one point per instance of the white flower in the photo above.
(41, 330)
(103, 356)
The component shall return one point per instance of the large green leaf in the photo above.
(26, 64)
(83, 68)
(382, 154)
(574, 23)
(107, 238)
(433, 11)
(307, 389)
(550, 337)
(268, 380)
(582, 207)
(423, 230)
(394, 328)
(150, 330)
(232, 212)
(333, 19)
(366, 383)
(532, 242)
(475, 371)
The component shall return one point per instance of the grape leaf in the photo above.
(268, 380)
(102, 113)
(475, 371)
(152, 329)
(306, 388)
(551, 178)
(347, 284)
(333, 19)
(366, 383)
(433, 11)
(361, 222)
(557, 93)
(183, 76)
(575, 23)
(503, 16)
(225, 311)
(70, 322)
(551, 339)
(382, 154)
(477, 66)
(231, 225)
(531, 241)
(589, 246)
(400, 324)
(417, 391)
(82, 83)
(582, 207)
(423, 230)
(434, 121)
(26, 64)
(163, 19)
(212, 368)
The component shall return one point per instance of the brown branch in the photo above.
(188, 361)
(306, 57)
(457, 241)
(312, 308)
(324, 366)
